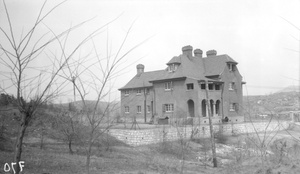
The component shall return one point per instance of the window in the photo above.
(210, 86)
(126, 109)
(168, 86)
(139, 109)
(168, 108)
(147, 91)
(138, 92)
(148, 109)
(231, 86)
(202, 85)
(233, 107)
(190, 86)
(173, 67)
(231, 67)
(126, 92)
(217, 87)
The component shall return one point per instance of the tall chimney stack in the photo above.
(211, 53)
(198, 53)
(188, 51)
(140, 69)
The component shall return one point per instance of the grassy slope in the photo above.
(159, 158)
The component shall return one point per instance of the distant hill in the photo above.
(115, 105)
(289, 89)
(281, 102)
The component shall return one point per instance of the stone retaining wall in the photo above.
(170, 133)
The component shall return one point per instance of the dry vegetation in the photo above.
(239, 154)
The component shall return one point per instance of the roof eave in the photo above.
(168, 79)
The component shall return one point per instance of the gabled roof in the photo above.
(193, 67)
(175, 59)
(214, 65)
(142, 80)
(188, 68)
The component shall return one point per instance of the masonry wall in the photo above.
(167, 133)
(232, 96)
(133, 100)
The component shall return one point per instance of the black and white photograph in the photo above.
(149, 87)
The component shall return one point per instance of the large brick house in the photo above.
(179, 91)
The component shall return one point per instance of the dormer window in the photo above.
(172, 67)
(231, 67)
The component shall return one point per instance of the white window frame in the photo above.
(232, 107)
(169, 107)
(148, 108)
(139, 91)
(230, 67)
(126, 92)
(231, 86)
(173, 67)
(139, 109)
(168, 86)
(127, 109)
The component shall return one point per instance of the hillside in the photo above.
(289, 89)
(279, 104)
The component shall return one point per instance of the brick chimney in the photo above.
(198, 53)
(188, 51)
(140, 68)
(211, 53)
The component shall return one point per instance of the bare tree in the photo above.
(68, 127)
(212, 136)
(96, 78)
(33, 84)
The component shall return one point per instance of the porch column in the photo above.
(214, 109)
(206, 109)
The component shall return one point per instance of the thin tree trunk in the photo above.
(42, 140)
(212, 137)
(70, 146)
(19, 142)
(88, 156)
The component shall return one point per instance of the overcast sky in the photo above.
(252, 32)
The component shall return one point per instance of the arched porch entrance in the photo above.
(191, 108)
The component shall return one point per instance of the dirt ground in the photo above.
(235, 155)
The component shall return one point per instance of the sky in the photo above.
(255, 33)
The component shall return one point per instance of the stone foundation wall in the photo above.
(168, 133)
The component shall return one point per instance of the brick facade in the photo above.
(179, 91)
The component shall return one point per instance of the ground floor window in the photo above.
(126, 109)
(139, 109)
(148, 109)
(233, 107)
(168, 107)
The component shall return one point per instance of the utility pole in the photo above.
(212, 135)
(145, 104)
(298, 54)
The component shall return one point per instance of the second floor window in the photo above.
(126, 92)
(126, 109)
(190, 86)
(168, 86)
(138, 92)
(202, 85)
(139, 109)
(231, 86)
